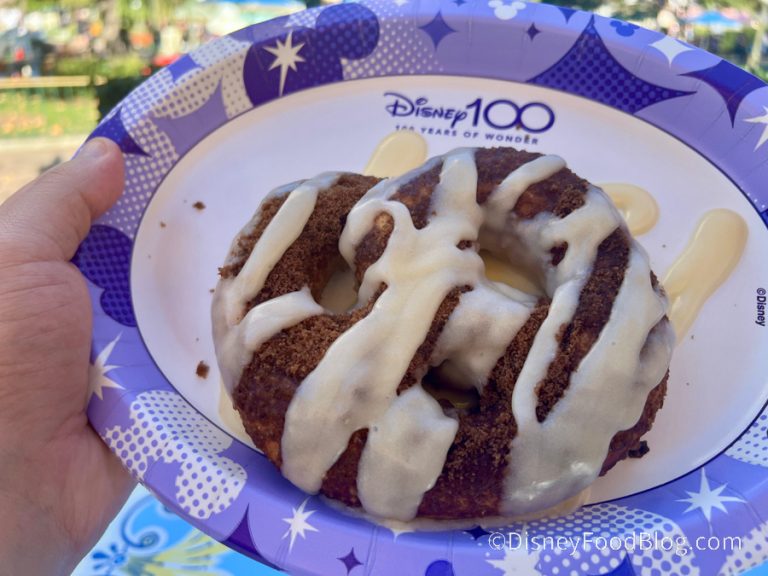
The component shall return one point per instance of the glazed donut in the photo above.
(344, 404)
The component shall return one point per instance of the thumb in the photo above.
(48, 218)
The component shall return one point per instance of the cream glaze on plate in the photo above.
(635, 204)
(713, 252)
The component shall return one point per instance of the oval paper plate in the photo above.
(206, 138)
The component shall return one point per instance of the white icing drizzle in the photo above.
(236, 337)
(584, 229)
(278, 236)
(479, 330)
(549, 461)
(416, 420)
(235, 344)
(504, 198)
(354, 386)
(565, 283)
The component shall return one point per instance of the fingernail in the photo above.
(93, 149)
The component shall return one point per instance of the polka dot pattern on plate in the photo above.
(654, 550)
(222, 62)
(752, 553)
(142, 173)
(164, 428)
(401, 50)
(752, 447)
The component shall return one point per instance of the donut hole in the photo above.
(339, 294)
(515, 274)
(450, 389)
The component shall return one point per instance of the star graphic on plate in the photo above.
(297, 524)
(97, 373)
(731, 82)
(533, 31)
(240, 539)
(761, 120)
(477, 532)
(670, 47)
(286, 57)
(437, 29)
(350, 561)
(707, 499)
(626, 91)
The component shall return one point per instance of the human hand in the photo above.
(59, 484)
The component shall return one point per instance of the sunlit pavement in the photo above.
(23, 159)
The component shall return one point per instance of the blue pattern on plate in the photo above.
(349, 31)
(113, 128)
(104, 258)
(590, 70)
(731, 82)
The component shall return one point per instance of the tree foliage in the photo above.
(590, 5)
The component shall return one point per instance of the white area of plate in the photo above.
(718, 375)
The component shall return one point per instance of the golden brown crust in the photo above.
(245, 242)
(471, 480)
(416, 194)
(592, 313)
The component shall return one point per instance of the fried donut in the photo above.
(343, 403)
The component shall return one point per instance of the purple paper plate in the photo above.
(203, 141)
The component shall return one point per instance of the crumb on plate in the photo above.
(640, 451)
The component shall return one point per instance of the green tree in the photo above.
(590, 5)
(754, 62)
(114, 14)
(759, 8)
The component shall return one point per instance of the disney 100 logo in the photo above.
(500, 114)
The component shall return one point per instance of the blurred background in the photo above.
(63, 64)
